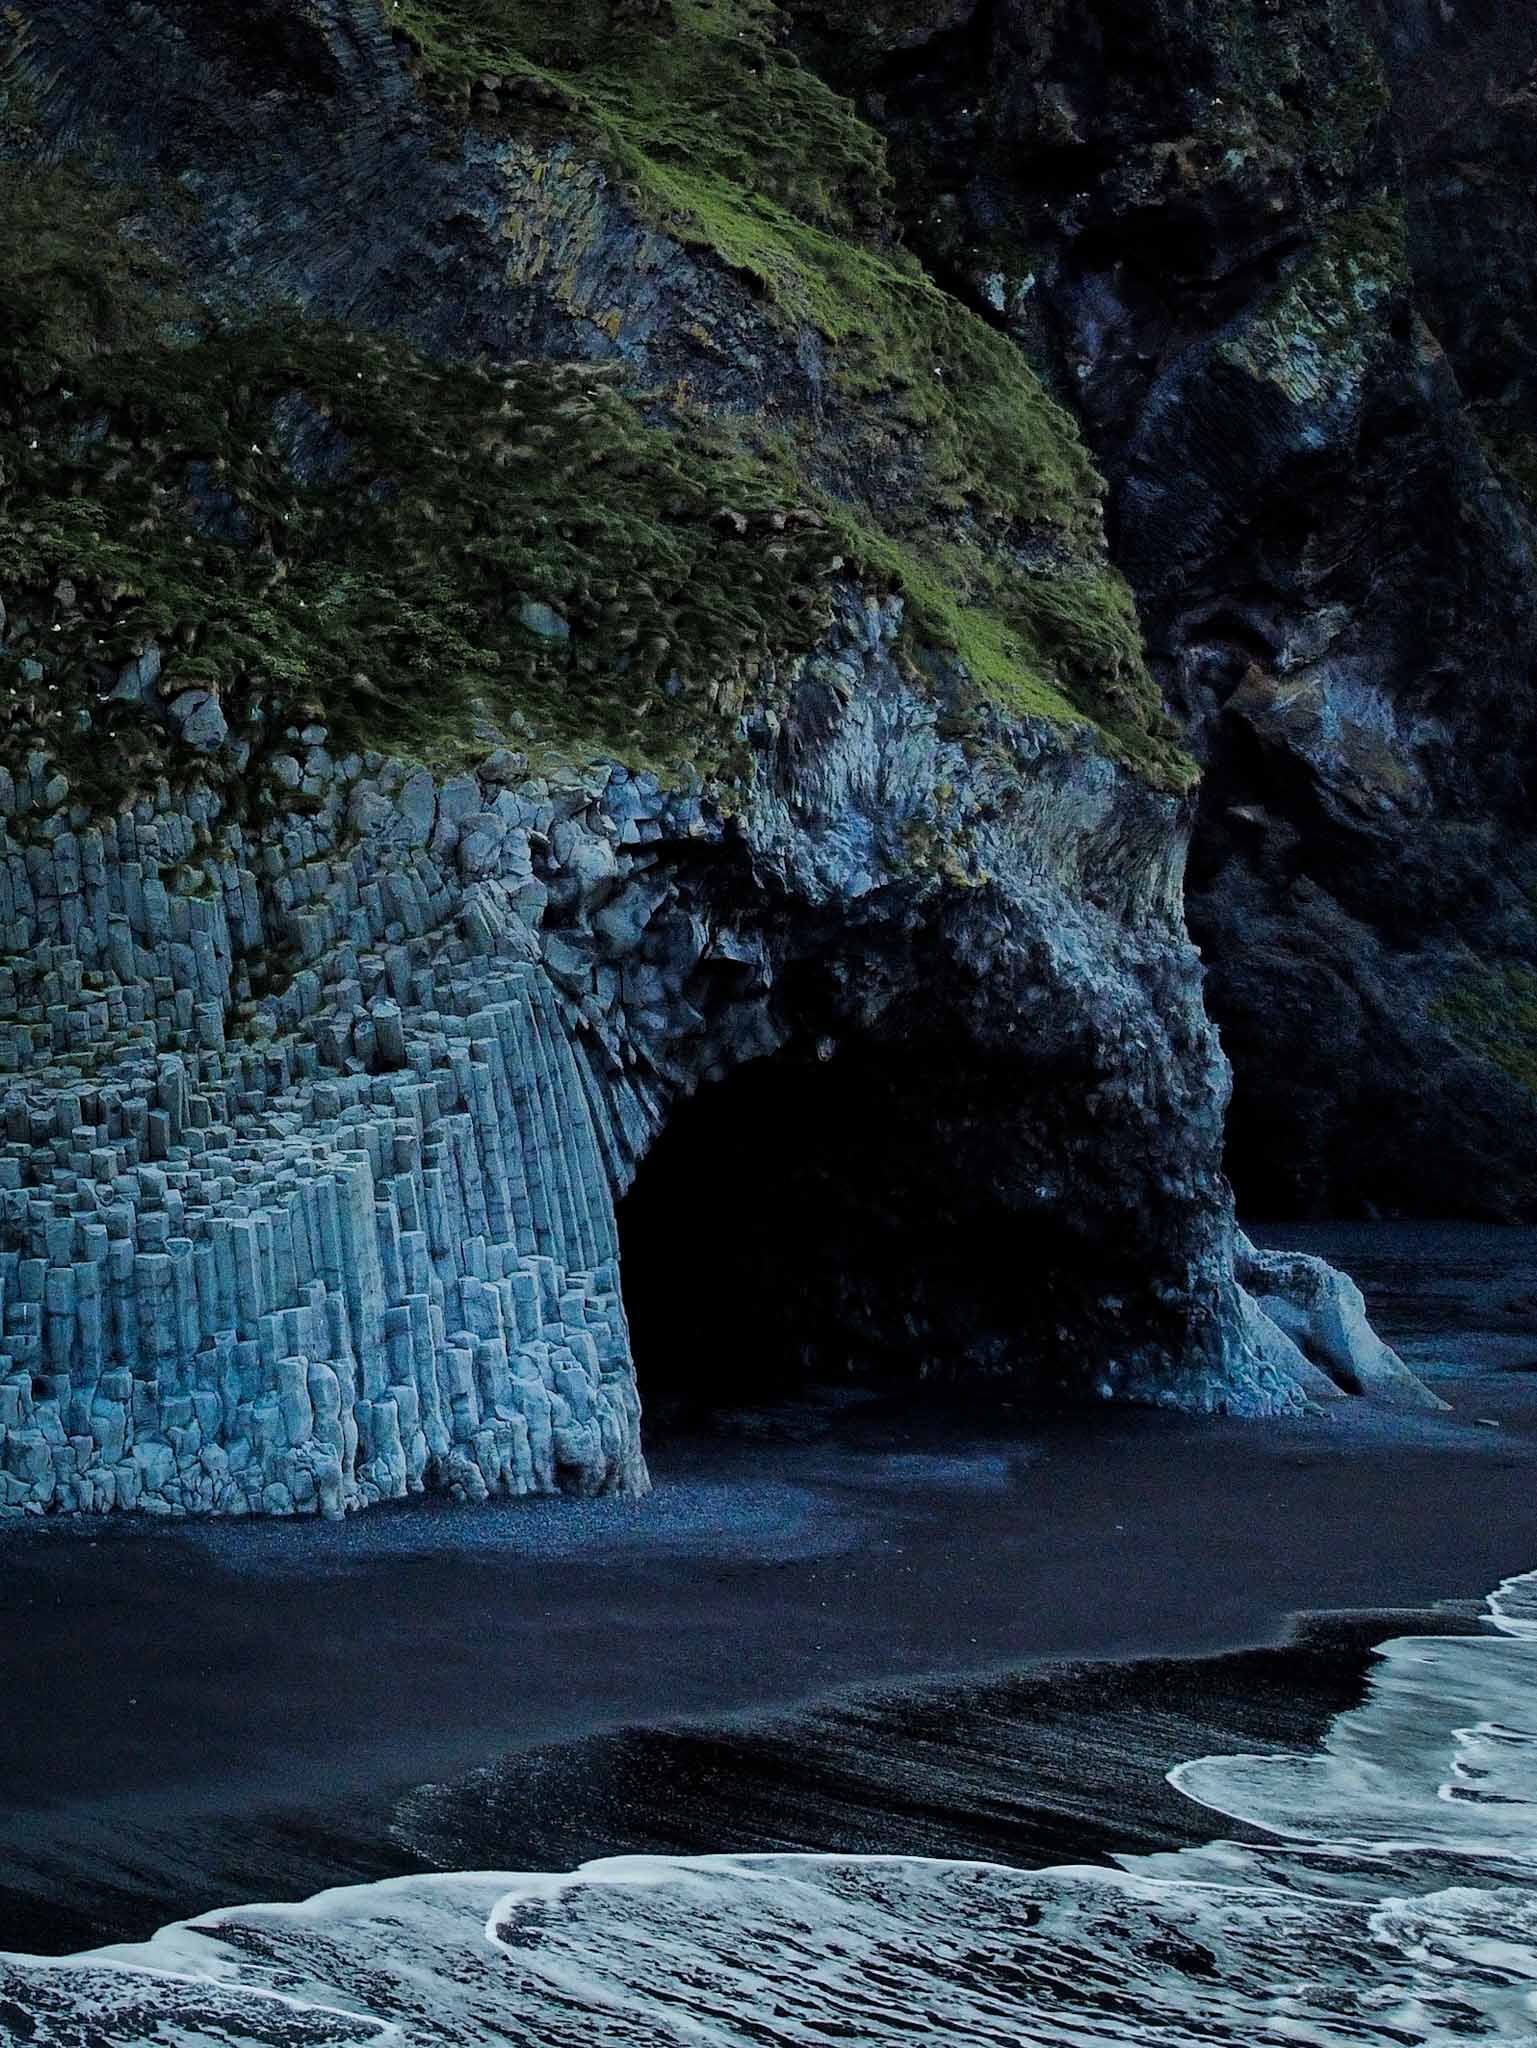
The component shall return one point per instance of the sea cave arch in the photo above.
(884, 1213)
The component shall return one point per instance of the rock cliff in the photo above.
(1279, 260)
(548, 663)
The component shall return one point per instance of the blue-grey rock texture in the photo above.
(323, 1072)
(369, 1241)
(355, 1239)
(1279, 255)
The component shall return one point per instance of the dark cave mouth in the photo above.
(806, 1231)
(753, 1245)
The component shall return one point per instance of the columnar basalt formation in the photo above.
(372, 1243)
(415, 414)
(355, 1237)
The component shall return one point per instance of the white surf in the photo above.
(1390, 1898)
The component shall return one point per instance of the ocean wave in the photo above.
(1394, 1902)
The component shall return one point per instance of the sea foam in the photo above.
(1389, 1895)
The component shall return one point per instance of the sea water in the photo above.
(1391, 1897)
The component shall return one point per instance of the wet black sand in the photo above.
(196, 1715)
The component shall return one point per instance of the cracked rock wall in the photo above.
(313, 1129)
(324, 1071)
(1289, 290)
(367, 1247)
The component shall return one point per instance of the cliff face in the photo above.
(549, 663)
(1280, 262)
(366, 1242)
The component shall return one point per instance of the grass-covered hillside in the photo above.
(319, 520)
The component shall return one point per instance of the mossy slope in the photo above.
(728, 142)
(307, 516)
(387, 591)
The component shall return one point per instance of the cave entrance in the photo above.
(808, 1224)
(756, 1236)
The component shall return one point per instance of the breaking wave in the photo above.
(1391, 1898)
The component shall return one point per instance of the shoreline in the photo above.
(242, 1711)
(251, 1720)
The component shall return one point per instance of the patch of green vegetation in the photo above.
(1493, 1012)
(331, 527)
(730, 144)
(1320, 328)
(695, 87)
(80, 281)
(166, 485)
(1017, 633)
(1368, 245)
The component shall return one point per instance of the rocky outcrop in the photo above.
(1284, 279)
(372, 1241)
(1321, 1315)
(355, 1237)
(411, 424)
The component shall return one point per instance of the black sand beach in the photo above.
(863, 1626)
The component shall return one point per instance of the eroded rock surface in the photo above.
(1280, 259)
(355, 1237)
(1322, 1314)
(414, 414)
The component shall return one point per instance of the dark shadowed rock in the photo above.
(1282, 263)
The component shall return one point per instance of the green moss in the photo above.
(162, 492)
(731, 145)
(384, 598)
(1018, 634)
(700, 87)
(1493, 1012)
(1306, 80)
(1320, 329)
(79, 279)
